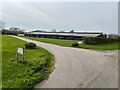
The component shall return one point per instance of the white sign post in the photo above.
(20, 51)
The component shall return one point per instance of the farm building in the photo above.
(65, 35)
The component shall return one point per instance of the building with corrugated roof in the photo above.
(65, 35)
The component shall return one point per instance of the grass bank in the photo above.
(38, 66)
(68, 43)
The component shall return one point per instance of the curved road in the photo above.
(80, 68)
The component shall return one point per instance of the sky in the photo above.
(66, 16)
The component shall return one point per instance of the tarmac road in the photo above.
(80, 68)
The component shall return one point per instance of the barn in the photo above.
(65, 35)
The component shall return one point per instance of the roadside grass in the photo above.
(110, 46)
(68, 43)
(38, 66)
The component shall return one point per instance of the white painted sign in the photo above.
(20, 50)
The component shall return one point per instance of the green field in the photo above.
(38, 66)
(55, 41)
(68, 43)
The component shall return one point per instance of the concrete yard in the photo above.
(80, 68)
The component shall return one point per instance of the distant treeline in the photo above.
(12, 31)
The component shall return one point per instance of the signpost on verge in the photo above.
(20, 51)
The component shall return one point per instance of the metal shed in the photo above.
(64, 35)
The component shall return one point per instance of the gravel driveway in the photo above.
(80, 68)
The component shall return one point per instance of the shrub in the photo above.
(98, 40)
(114, 36)
(75, 44)
(30, 45)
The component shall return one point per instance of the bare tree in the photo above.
(2, 25)
(61, 31)
(53, 30)
(16, 30)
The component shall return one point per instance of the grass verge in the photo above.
(38, 66)
(110, 46)
(68, 43)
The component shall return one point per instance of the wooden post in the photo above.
(23, 56)
(17, 54)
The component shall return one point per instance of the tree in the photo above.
(71, 31)
(6, 31)
(13, 31)
(62, 31)
(38, 31)
(114, 36)
(16, 30)
(2, 24)
(53, 30)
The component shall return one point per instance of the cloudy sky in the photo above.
(78, 16)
